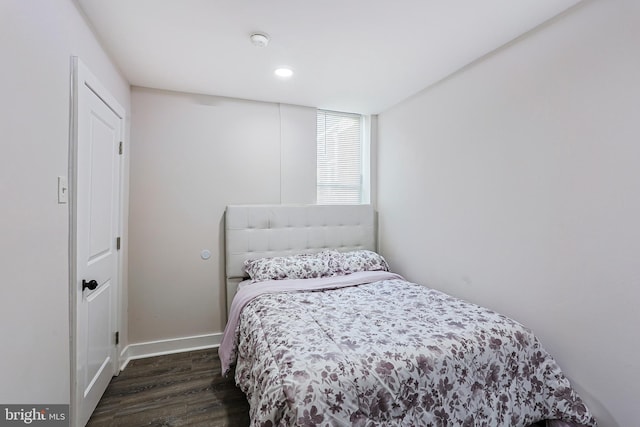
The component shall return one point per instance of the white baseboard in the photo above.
(169, 346)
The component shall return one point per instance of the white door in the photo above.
(96, 214)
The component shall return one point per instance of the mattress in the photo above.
(372, 349)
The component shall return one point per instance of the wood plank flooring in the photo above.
(184, 389)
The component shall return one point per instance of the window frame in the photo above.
(364, 156)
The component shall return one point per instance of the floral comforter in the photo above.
(393, 353)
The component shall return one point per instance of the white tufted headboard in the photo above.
(258, 231)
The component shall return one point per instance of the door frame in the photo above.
(80, 75)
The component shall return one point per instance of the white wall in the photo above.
(38, 39)
(191, 156)
(298, 150)
(515, 184)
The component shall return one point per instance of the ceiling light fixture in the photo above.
(259, 39)
(285, 73)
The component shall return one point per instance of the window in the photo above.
(340, 158)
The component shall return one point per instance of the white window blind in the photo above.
(339, 179)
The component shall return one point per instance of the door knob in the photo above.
(91, 284)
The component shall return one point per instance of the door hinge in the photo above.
(118, 243)
(120, 149)
(117, 338)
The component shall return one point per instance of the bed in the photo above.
(321, 333)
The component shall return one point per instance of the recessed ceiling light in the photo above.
(285, 73)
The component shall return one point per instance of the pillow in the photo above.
(363, 260)
(301, 266)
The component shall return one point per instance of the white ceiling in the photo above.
(349, 55)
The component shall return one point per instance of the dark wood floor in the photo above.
(184, 389)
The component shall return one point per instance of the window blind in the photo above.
(339, 174)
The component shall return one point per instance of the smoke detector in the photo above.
(259, 39)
